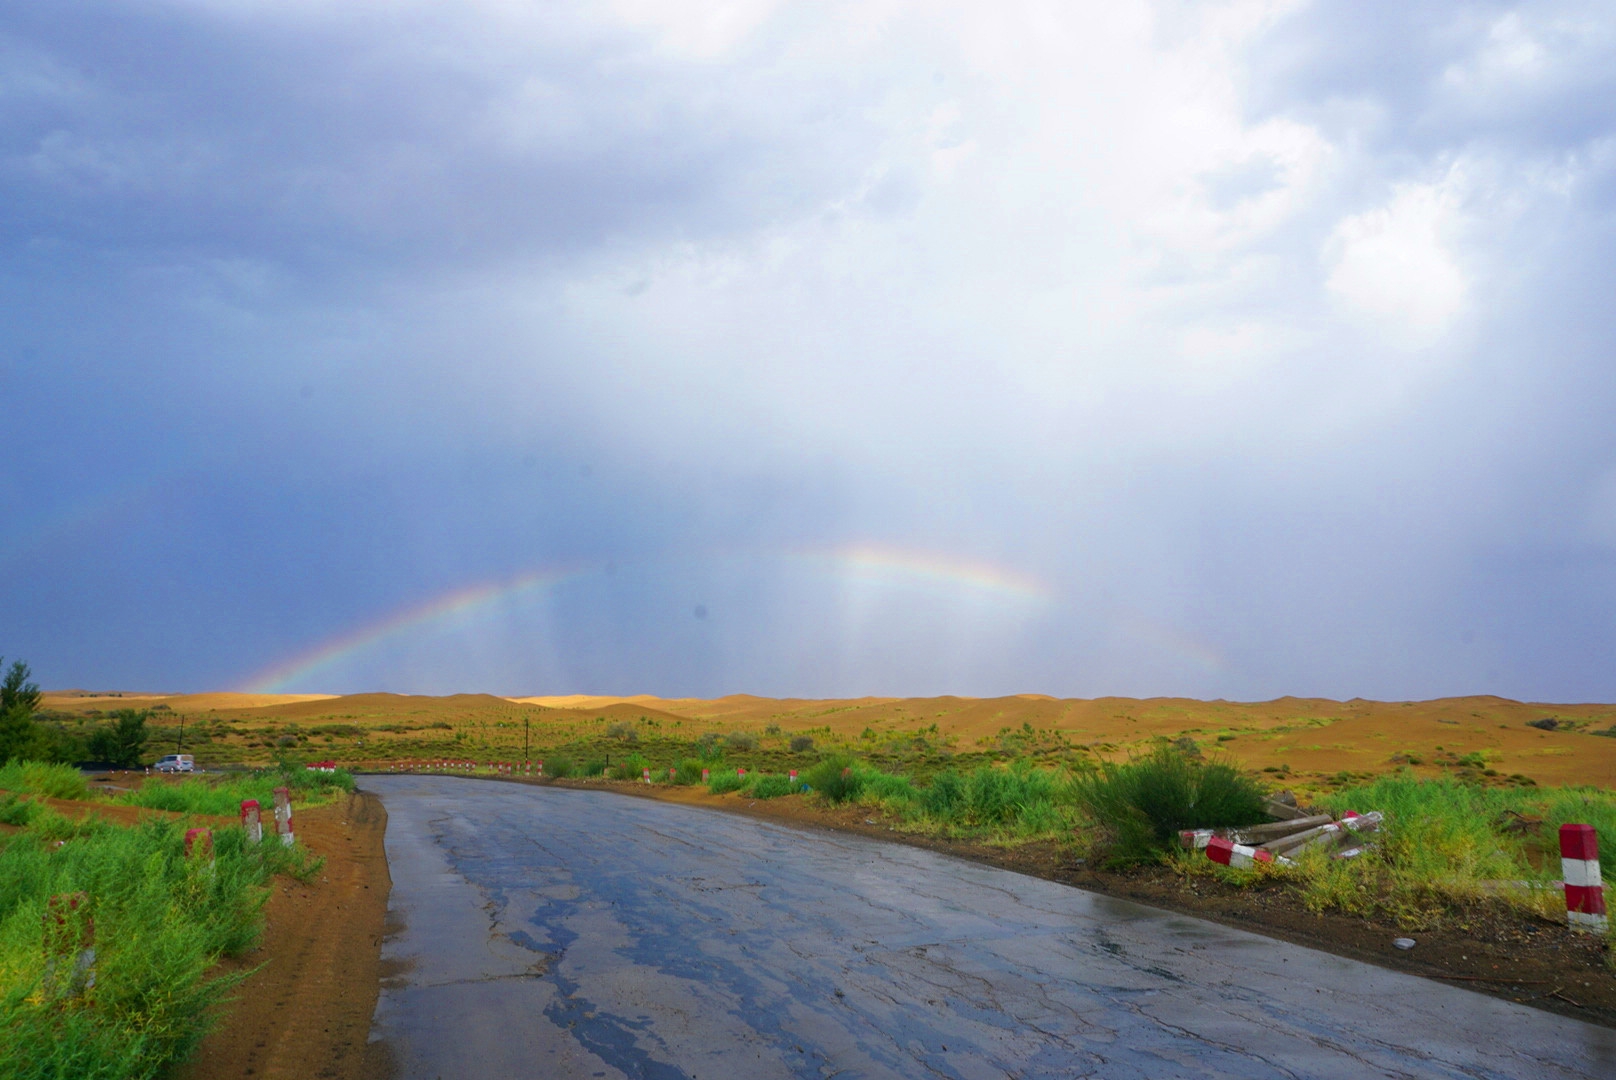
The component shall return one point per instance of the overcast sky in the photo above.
(1225, 349)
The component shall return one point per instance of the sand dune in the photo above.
(1308, 736)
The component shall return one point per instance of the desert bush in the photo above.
(1445, 839)
(884, 788)
(161, 922)
(15, 811)
(38, 778)
(1142, 804)
(740, 740)
(559, 767)
(631, 768)
(770, 786)
(689, 771)
(835, 779)
(593, 766)
(624, 731)
(801, 744)
(772, 729)
(724, 781)
(216, 795)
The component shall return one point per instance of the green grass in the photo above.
(161, 922)
(1140, 805)
(770, 786)
(1445, 841)
(720, 782)
(224, 795)
(35, 778)
(835, 779)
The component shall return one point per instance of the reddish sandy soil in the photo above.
(305, 1012)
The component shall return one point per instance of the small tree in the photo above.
(21, 739)
(16, 691)
(122, 742)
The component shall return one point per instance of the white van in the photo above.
(175, 763)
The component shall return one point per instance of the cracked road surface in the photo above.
(550, 932)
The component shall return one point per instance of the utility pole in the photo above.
(526, 757)
(181, 746)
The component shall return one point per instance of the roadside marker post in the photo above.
(195, 838)
(704, 776)
(1238, 856)
(740, 772)
(283, 816)
(69, 945)
(541, 767)
(1584, 889)
(793, 777)
(252, 821)
(647, 773)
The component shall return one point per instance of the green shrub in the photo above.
(38, 778)
(740, 740)
(210, 795)
(689, 771)
(770, 786)
(945, 798)
(161, 923)
(887, 789)
(801, 744)
(835, 779)
(1142, 804)
(560, 767)
(15, 811)
(632, 768)
(725, 781)
(593, 767)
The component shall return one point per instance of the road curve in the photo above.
(549, 932)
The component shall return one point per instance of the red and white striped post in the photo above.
(793, 777)
(283, 816)
(1239, 856)
(252, 822)
(199, 839)
(704, 776)
(1584, 890)
(672, 772)
(69, 945)
(541, 767)
(740, 772)
(647, 772)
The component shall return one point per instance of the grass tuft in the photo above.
(1141, 805)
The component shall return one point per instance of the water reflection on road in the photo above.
(560, 933)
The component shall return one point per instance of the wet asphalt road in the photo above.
(562, 933)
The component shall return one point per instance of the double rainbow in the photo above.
(869, 563)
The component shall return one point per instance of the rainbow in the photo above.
(883, 566)
(462, 603)
(896, 566)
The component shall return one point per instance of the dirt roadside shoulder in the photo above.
(306, 1011)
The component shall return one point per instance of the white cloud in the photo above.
(1394, 265)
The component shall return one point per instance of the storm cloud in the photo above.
(1227, 349)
